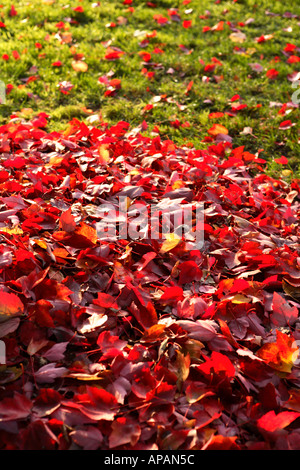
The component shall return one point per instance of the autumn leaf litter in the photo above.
(122, 345)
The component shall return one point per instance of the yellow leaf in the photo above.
(55, 161)
(103, 153)
(178, 184)
(41, 244)
(79, 66)
(26, 112)
(171, 242)
(240, 299)
(12, 231)
(237, 37)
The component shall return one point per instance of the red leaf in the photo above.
(67, 221)
(106, 301)
(219, 364)
(106, 341)
(87, 437)
(217, 129)
(286, 124)
(18, 407)
(272, 74)
(38, 436)
(271, 422)
(187, 24)
(47, 401)
(220, 442)
(124, 431)
(10, 306)
(283, 313)
(172, 294)
(189, 272)
(97, 404)
(42, 313)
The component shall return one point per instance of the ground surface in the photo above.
(148, 344)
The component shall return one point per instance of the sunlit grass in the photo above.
(40, 39)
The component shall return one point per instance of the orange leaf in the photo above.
(279, 355)
(272, 422)
(183, 363)
(154, 333)
(79, 66)
(67, 222)
(83, 237)
(220, 442)
(217, 129)
(103, 153)
(88, 232)
(10, 306)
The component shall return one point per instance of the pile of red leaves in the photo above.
(124, 345)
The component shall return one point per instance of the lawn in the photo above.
(175, 65)
(145, 343)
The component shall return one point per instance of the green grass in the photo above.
(36, 22)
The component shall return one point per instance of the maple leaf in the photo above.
(49, 373)
(108, 342)
(287, 124)
(17, 407)
(220, 442)
(67, 221)
(37, 436)
(187, 24)
(217, 129)
(218, 364)
(106, 301)
(65, 86)
(57, 63)
(282, 312)
(172, 294)
(182, 365)
(83, 236)
(79, 66)
(96, 404)
(104, 154)
(271, 422)
(171, 241)
(10, 306)
(282, 160)
(87, 437)
(42, 313)
(272, 74)
(154, 333)
(124, 431)
(47, 401)
(279, 354)
(113, 54)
